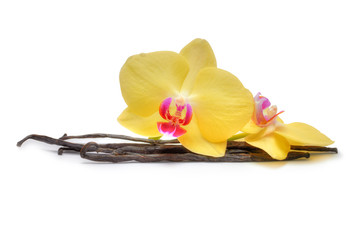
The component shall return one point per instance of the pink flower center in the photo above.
(174, 121)
(264, 113)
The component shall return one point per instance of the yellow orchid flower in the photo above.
(184, 95)
(268, 132)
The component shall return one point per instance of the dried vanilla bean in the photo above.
(149, 150)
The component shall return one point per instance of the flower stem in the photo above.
(238, 136)
(155, 138)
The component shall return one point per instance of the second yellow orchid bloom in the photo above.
(268, 132)
(185, 96)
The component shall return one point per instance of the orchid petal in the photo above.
(147, 79)
(145, 126)
(199, 55)
(303, 134)
(275, 145)
(221, 103)
(251, 128)
(195, 142)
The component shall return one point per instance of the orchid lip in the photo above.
(173, 126)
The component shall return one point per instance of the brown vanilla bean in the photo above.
(73, 146)
(149, 150)
(50, 140)
(140, 148)
(117, 136)
(184, 157)
(231, 144)
(61, 150)
(314, 149)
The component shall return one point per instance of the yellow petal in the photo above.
(148, 78)
(303, 134)
(221, 103)
(145, 126)
(199, 55)
(251, 128)
(195, 142)
(275, 145)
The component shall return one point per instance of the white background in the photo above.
(59, 66)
